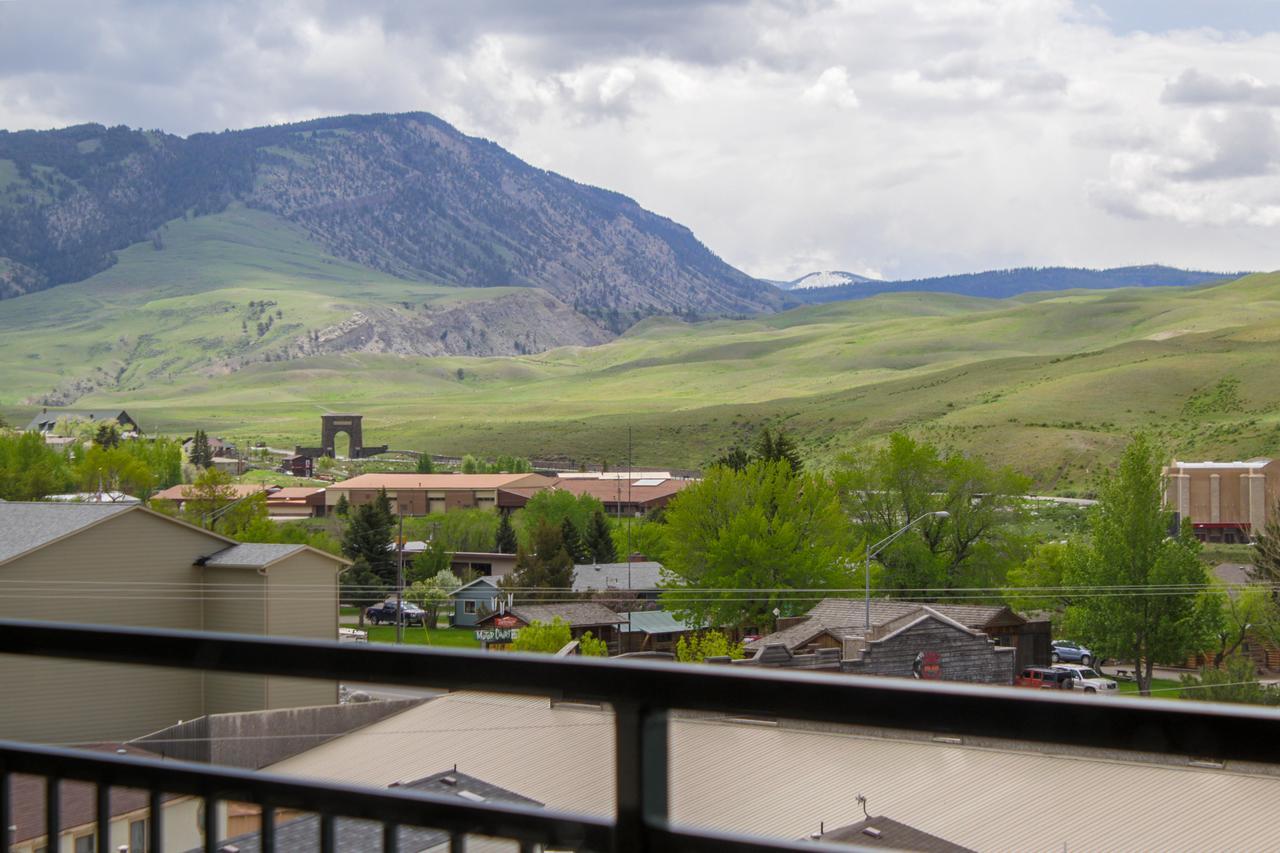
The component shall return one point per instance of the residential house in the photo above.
(121, 564)
(1223, 501)
(298, 465)
(47, 421)
(473, 601)
(429, 494)
(787, 779)
(301, 834)
(653, 631)
(489, 564)
(921, 643)
(640, 577)
(833, 619)
(580, 616)
(292, 502)
(128, 824)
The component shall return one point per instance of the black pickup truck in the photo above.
(411, 614)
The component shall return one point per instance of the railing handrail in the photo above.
(1193, 729)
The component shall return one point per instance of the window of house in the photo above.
(469, 606)
(138, 836)
(84, 843)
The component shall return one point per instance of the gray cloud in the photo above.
(1196, 88)
(1244, 144)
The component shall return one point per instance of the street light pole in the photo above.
(885, 543)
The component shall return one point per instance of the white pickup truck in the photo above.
(1085, 678)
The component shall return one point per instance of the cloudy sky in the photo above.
(885, 137)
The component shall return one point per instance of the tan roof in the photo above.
(240, 490)
(623, 491)
(295, 493)
(443, 481)
(848, 616)
(782, 781)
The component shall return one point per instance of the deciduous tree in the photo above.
(696, 648)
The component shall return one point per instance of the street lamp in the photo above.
(885, 543)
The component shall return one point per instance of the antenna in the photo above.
(862, 801)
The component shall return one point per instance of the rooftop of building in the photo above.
(642, 575)
(441, 481)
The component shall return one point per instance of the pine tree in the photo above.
(343, 506)
(425, 465)
(505, 542)
(777, 447)
(599, 539)
(573, 544)
(201, 454)
(368, 539)
(544, 567)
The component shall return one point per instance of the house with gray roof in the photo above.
(124, 564)
(302, 835)
(581, 617)
(641, 577)
(472, 602)
(47, 421)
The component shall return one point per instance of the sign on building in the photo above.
(497, 635)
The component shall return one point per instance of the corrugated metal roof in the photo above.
(598, 576)
(782, 781)
(655, 622)
(27, 526)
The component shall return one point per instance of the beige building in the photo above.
(1224, 501)
(127, 565)
(430, 494)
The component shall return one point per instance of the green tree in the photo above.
(425, 465)
(112, 468)
(505, 539)
(641, 537)
(466, 529)
(777, 446)
(362, 586)
(201, 454)
(1266, 552)
(470, 464)
(368, 540)
(212, 502)
(432, 593)
(428, 564)
(553, 506)
(696, 648)
(1244, 611)
(343, 506)
(31, 469)
(764, 529)
(599, 539)
(573, 542)
(543, 567)
(974, 546)
(107, 435)
(592, 647)
(1235, 681)
(1038, 584)
(547, 638)
(1155, 621)
(736, 457)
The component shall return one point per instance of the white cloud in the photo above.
(909, 138)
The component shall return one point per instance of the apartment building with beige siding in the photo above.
(1223, 501)
(127, 565)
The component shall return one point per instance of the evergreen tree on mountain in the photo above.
(777, 446)
(505, 542)
(573, 543)
(599, 540)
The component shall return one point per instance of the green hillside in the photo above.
(1053, 383)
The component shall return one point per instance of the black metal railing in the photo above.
(642, 694)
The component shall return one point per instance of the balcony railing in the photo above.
(642, 694)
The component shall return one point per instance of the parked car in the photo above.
(1065, 651)
(1085, 678)
(1042, 677)
(411, 614)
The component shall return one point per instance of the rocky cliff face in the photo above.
(407, 194)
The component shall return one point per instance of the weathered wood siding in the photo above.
(962, 655)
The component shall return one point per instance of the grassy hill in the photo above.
(1053, 383)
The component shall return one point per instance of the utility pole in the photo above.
(400, 582)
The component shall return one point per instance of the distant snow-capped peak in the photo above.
(826, 278)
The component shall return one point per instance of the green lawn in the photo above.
(454, 638)
(1165, 688)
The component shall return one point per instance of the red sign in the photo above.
(928, 665)
(507, 621)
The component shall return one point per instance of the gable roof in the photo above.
(482, 579)
(302, 835)
(260, 555)
(888, 834)
(847, 616)
(29, 526)
(600, 576)
(185, 491)
(635, 491)
(575, 613)
(48, 419)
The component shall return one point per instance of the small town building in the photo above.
(47, 420)
(292, 502)
(297, 465)
(431, 494)
(882, 833)
(629, 497)
(1223, 501)
(653, 631)
(177, 496)
(473, 601)
(124, 564)
(832, 620)
(489, 564)
(580, 616)
(641, 577)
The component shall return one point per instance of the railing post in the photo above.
(640, 735)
